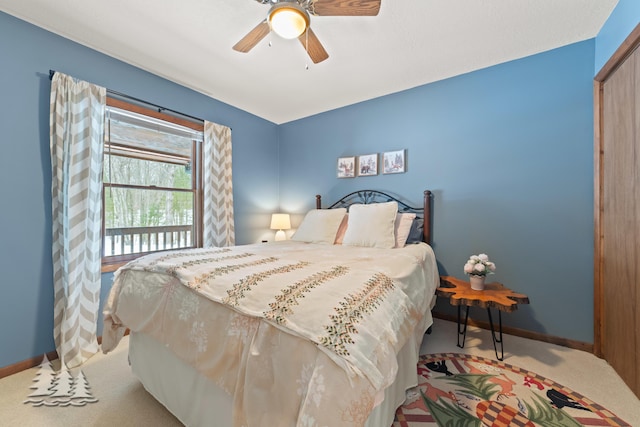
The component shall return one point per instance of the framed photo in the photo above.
(346, 167)
(394, 162)
(368, 165)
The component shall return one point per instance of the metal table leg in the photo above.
(493, 334)
(462, 332)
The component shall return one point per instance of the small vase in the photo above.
(477, 282)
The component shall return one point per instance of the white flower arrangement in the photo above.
(479, 265)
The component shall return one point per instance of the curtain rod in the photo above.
(158, 107)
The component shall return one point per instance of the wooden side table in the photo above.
(495, 295)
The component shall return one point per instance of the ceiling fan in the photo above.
(291, 19)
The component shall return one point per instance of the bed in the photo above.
(320, 330)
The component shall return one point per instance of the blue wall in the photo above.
(508, 151)
(623, 20)
(27, 52)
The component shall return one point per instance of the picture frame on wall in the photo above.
(368, 165)
(394, 162)
(346, 167)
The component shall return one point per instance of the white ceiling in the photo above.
(410, 43)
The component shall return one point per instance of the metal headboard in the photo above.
(373, 196)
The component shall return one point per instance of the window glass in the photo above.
(151, 186)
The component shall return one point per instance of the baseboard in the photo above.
(576, 345)
(26, 364)
(34, 361)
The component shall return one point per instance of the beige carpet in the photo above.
(123, 402)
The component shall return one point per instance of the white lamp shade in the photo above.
(280, 221)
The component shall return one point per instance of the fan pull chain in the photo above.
(306, 47)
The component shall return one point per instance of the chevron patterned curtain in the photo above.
(77, 142)
(218, 225)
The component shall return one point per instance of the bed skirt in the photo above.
(197, 401)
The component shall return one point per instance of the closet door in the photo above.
(620, 219)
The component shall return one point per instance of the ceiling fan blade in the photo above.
(312, 45)
(253, 37)
(345, 7)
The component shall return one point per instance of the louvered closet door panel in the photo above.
(621, 223)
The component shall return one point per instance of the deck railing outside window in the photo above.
(133, 240)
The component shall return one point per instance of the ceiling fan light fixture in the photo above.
(288, 20)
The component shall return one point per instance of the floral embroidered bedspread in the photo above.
(358, 306)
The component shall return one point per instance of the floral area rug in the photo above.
(464, 390)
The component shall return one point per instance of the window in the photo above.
(152, 198)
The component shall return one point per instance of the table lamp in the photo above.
(280, 222)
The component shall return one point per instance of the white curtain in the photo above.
(77, 143)
(218, 225)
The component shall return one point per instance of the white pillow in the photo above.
(371, 225)
(320, 226)
(403, 227)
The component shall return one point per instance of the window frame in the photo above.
(112, 263)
